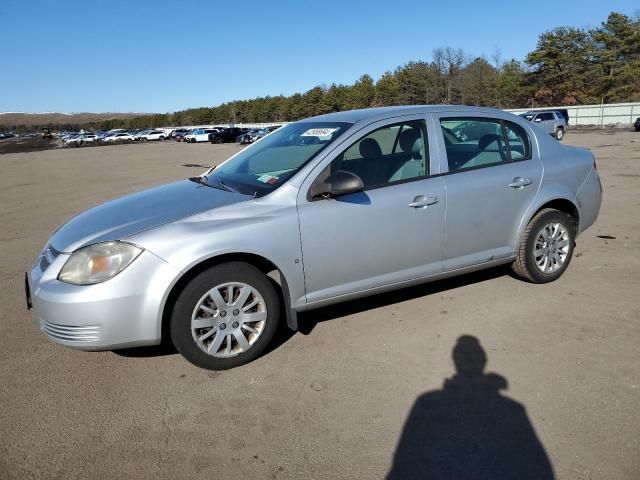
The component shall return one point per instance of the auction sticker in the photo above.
(318, 132)
(270, 179)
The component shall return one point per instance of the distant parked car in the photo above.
(263, 132)
(4, 135)
(552, 121)
(217, 262)
(153, 135)
(247, 137)
(225, 135)
(138, 133)
(468, 131)
(179, 137)
(118, 138)
(80, 139)
(200, 135)
(178, 131)
(637, 124)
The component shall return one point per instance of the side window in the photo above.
(519, 145)
(473, 142)
(391, 154)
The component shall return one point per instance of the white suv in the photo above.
(200, 135)
(152, 135)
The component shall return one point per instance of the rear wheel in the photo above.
(225, 317)
(546, 247)
(560, 134)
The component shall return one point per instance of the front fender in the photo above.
(267, 231)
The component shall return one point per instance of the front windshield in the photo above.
(264, 166)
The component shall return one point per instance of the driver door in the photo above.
(391, 232)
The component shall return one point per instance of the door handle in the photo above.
(519, 182)
(422, 201)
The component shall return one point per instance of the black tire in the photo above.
(525, 265)
(161, 138)
(180, 326)
(560, 134)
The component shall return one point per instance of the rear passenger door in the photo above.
(490, 183)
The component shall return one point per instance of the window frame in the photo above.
(505, 138)
(397, 122)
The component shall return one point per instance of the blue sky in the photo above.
(157, 56)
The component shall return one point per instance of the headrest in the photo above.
(488, 139)
(407, 139)
(417, 151)
(369, 148)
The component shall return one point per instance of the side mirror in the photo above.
(337, 184)
(538, 120)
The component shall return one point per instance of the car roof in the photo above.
(379, 113)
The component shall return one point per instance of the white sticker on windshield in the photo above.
(318, 132)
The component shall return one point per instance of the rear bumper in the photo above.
(589, 199)
(124, 311)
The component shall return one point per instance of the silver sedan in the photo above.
(320, 211)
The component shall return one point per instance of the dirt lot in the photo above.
(332, 402)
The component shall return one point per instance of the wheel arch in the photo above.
(263, 264)
(562, 204)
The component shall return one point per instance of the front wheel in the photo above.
(546, 247)
(559, 134)
(225, 317)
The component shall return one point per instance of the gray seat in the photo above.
(413, 167)
(490, 150)
(407, 139)
(369, 167)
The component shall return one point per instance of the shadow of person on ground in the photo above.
(469, 430)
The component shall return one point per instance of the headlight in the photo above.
(97, 263)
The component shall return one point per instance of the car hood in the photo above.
(126, 216)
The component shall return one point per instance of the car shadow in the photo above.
(469, 429)
(307, 321)
(165, 348)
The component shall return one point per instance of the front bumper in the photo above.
(124, 311)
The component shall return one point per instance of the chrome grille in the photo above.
(48, 256)
(89, 333)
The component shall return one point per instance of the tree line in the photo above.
(569, 66)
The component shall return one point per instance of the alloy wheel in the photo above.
(228, 319)
(551, 247)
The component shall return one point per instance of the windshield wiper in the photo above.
(227, 187)
(199, 180)
(204, 180)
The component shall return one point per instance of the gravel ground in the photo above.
(346, 399)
